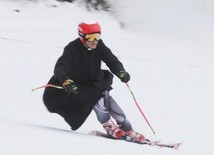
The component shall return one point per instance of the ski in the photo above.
(129, 139)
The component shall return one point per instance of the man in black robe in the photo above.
(86, 86)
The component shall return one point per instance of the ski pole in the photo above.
(140, 108)
(48, 85)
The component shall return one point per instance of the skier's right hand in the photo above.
(70, 87)
(124, 76)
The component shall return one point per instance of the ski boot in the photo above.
(135, 136)
(113, 130)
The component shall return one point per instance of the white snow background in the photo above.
(165, 45)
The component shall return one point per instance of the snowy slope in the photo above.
(165, 45)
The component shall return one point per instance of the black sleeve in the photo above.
(62, 66)
(111, 60)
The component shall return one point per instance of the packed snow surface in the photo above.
(166, 46)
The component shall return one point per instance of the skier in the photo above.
(86, 85)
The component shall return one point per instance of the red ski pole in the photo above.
(48, 85)
(140, 108)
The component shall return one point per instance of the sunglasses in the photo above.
(93, 36)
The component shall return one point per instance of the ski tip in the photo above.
(177, 145)
(93, 132)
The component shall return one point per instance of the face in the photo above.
(92, 44)
(92, 39)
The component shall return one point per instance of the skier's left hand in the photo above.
(124, 76)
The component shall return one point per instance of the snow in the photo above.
(166, 46)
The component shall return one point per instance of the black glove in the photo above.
(70, 87)
(124, 76)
